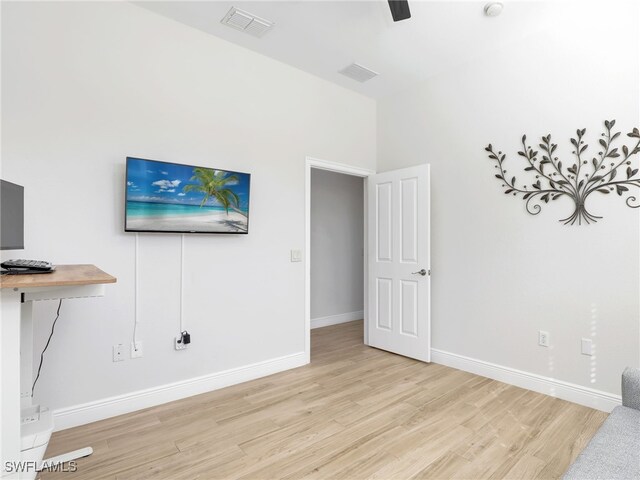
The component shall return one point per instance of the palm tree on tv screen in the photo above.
(213, 184)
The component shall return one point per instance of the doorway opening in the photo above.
(336, 248)
(337, 254)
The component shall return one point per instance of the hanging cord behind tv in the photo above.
(53, 326)
(135, 296)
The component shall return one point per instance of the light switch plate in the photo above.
(587, 346)
(296, 255)
(543, 338)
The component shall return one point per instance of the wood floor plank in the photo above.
(526, 467)
(188, 464)
(353, 413)
(420, 451)
(447, 466)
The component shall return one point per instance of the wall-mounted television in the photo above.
(175, 198)
(11, 216)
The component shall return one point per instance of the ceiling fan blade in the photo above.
(399, 10)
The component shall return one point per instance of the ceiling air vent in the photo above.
(246, 22)
(358, 72)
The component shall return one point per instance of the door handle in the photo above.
(422, 272)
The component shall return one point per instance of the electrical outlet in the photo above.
(587, 346)
(136, 349)
(543, 338)
(178, 343)
(118, 353)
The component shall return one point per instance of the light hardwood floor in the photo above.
(354, 412)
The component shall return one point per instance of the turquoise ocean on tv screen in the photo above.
(148, 209)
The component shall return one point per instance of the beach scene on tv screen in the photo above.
(180, 198)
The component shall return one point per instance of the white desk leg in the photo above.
(10, 381)
(26, 353)
(26, 379)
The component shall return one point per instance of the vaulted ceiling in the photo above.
(322, 37)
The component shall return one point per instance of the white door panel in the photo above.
(398, 295)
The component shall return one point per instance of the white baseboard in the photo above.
(130, 402)
(336, 319)
(550, 386)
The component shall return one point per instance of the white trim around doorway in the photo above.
(310, 163)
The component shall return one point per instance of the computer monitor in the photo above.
(11, 216)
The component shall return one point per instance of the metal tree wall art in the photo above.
(577, 178)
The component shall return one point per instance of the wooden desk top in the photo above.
(64, 275)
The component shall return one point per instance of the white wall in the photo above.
(499, 274)
(84, 84)
(337, 246)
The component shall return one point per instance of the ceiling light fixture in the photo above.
(493, 9)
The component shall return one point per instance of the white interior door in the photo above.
(399, 274)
